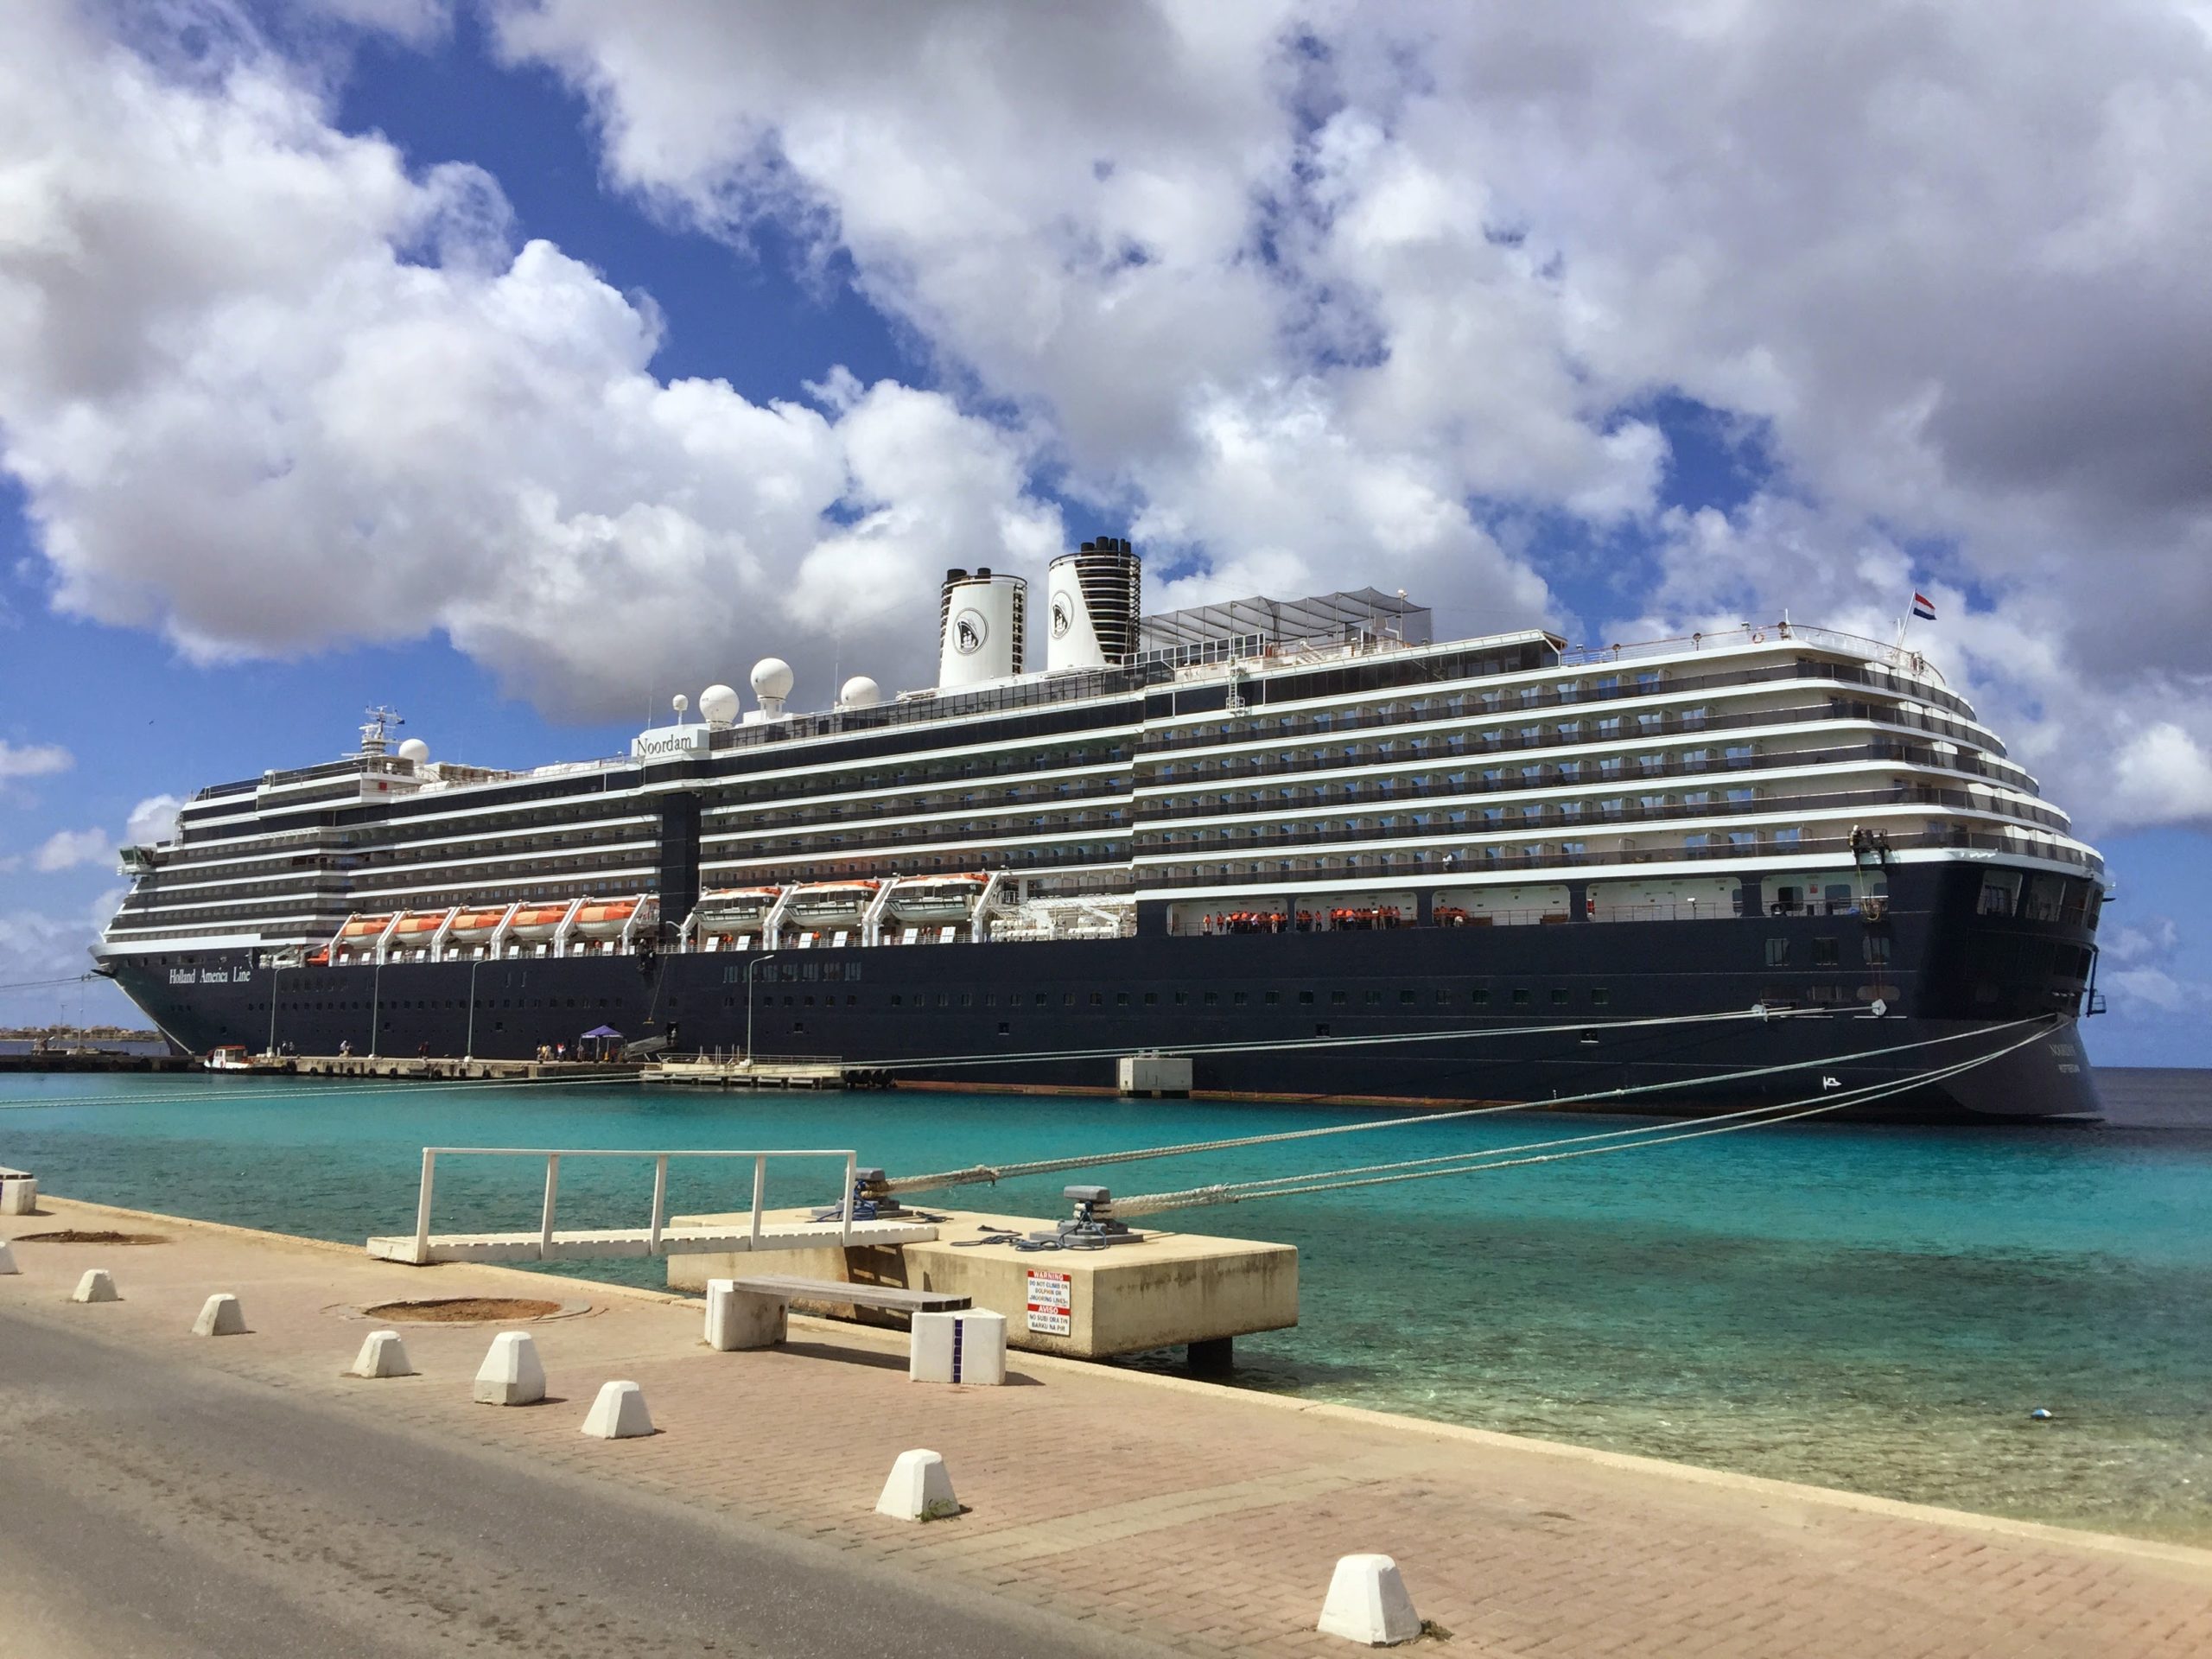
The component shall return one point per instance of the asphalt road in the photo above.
(162, 1512)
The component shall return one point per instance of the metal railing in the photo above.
(658, 1223)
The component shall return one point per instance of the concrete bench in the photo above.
(18, 1193)
(754, 1312)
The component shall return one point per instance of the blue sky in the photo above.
(1278, 330)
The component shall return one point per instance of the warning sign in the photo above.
(1052, 1303)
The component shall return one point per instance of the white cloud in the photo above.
(152, 820)
(66, 849)
(268, 393)
(32, 760)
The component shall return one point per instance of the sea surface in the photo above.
(1867, 1306)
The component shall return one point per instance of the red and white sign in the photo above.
(1052, 1304)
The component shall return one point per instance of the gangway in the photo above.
(757, 1231)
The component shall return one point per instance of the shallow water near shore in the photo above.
(1872, 1307)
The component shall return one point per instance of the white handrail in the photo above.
(553, 1155)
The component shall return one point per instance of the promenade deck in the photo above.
(1141, 1509)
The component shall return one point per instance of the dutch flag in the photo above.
(1923, 607)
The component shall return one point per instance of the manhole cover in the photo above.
(463, 1309)
(75, 1236)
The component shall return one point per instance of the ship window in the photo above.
(1339, 997)
(1098, 998)
(1374, 996)
(1406, 997)
(1040, 999)
(1599, 996)
(851, 1001)
(1067, 999)
(1777, 953)
(1273, 997)
(1520, 996)
(1212, 997)
(1559, 995)
(1875, 947)
(898, 1000)
(1478, 997)
(1321, 1031)
(1238, 998)
(944, 1000)
(1825, 954)
(1121, 999)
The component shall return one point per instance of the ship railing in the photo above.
(1427, 866)
(1756, 633)
(659, 1219)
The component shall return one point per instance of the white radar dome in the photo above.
(679, 702)
(414, 749)
(718, 704)
(859, 692)
(772, 677)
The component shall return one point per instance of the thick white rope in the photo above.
(992, 1173)
(1467, 1163)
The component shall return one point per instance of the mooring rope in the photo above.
(992, 1173)
(1629, 1139)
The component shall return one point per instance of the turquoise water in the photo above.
(1876, 1308)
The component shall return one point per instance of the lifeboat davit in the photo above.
(534, 922)
(831, 904)
(604, 919)
(937, 898)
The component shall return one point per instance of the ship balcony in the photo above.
(1430, 707)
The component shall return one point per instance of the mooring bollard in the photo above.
(619, 1413)
(221, 1317)
(95, 1286)
(1368, 1603)
(511, 1375)
(8, 1258)
(921, 1488)
(382, 1354)
(965, 1347)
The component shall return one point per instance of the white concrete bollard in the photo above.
(968, 1347)
(382, 1354)
(511, 1375)
(8, 1258)
(921, 1488)
(19, 1196)
(221, 1317)
(619, 1413)
(1368, 1603)
(95, 1286)
(738, 1319)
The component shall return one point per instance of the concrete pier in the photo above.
(704, 1071)
(1162, 1290)
(417, 1069)
(244, 1498)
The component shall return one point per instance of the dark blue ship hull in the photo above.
(1432, 1015)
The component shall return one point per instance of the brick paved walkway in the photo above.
(1202, 1518)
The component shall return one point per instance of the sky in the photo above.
(522, 363)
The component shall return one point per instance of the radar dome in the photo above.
(772, 677)
(679, 702)
(859, 692)
(718, 704)
(414, 749)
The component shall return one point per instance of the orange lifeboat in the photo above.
(536, 922)
(604, 919)
(416, 924)
(363, 929)
(482, 920)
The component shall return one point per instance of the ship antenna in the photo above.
(376, 732)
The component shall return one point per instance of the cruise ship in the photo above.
(1300, 843)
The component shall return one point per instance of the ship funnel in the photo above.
(980, 620)
(1096, 601)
